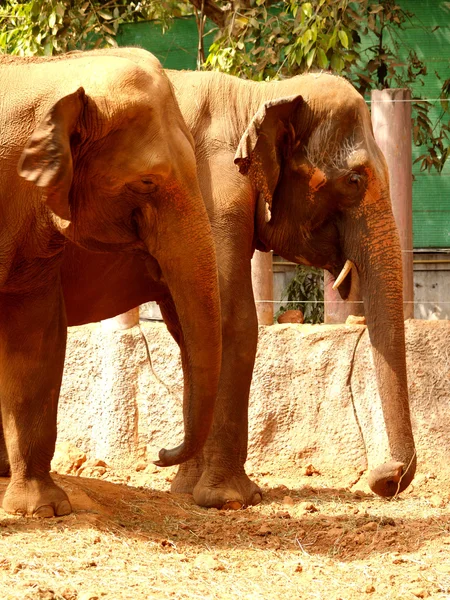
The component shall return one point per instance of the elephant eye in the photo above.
(144, 185)
(354, 178)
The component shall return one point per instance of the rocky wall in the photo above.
(313, 396)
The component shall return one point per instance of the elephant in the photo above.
(95, 156)
(290, 166)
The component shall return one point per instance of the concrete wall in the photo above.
(313, 395)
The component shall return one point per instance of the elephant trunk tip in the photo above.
(176, 456)
(391, 478)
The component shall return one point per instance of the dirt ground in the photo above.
(311, 538)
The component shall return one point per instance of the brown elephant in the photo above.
(313, 186)
(95, 154)
(290, 166)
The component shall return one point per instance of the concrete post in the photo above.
(262, 281)
(124, 321)
(391, 119)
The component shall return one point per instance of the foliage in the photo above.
(305, 292)
(266, 40)
(46, 27)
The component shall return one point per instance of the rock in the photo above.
(309, 470)
(291, 316)
(420, 593)
(282, 514)
(288, 501)
(371, 526)
(355, 320)
(140, 466)
(264, 530)
(369, 589)
(92, 468)
(307, 507)
(67, 459)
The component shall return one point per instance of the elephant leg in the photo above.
(217, 477)
(224, 481)
(32, 347)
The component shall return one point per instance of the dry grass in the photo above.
(308, 540)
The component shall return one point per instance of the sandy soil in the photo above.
(309, 539)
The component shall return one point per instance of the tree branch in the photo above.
(212, 11)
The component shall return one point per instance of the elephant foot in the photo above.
(36, 498)
(187, 476)
(391, 478)
(226, 492)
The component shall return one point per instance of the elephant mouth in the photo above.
(344, 279)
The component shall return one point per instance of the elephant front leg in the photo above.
(224, 482)
(216, 477)
(32, 347)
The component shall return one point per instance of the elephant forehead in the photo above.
(117, 83)
(331, 146)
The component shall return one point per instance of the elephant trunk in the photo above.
(378, 259)
(186, 255)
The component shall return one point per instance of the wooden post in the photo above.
(391, 120)
(262, 280)
(124, 321)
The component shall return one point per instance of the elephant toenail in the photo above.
(64, 508)
(257, 498)
(44, 512)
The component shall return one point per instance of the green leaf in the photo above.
(48, 48)
(343, 37)
(310, 57)
(322, 59)
(307, 37)
(337, 64)
(105, 14)
(307, 9)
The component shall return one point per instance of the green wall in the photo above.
(177, 49)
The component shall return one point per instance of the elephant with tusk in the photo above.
(290, 166)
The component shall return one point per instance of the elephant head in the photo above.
(323, 201)
(114, 164)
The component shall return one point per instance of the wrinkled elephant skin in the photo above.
(290, 166)
(95, 156)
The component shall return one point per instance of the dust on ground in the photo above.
(309, 539)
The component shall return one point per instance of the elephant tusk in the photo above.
(343, 274)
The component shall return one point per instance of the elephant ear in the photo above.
(259, 150)
(47, 157)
